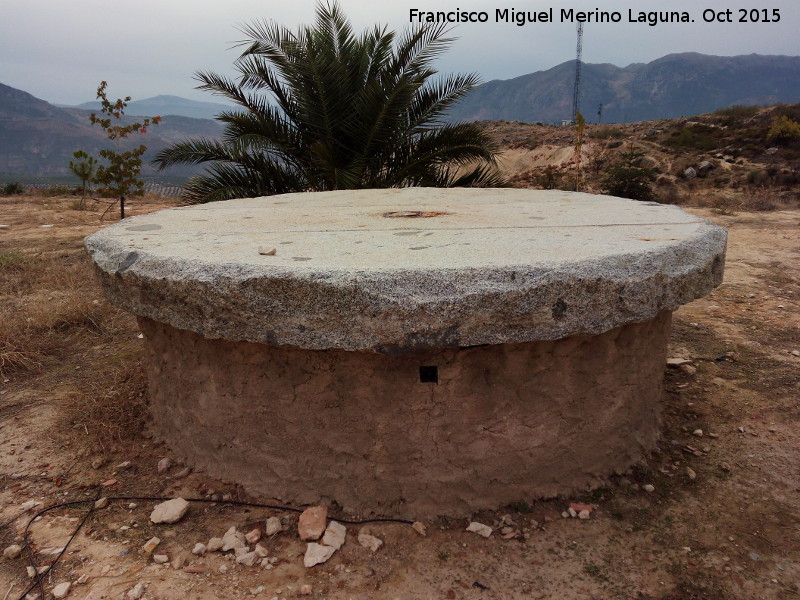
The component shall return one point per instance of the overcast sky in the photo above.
(59, 50)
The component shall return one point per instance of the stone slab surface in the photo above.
(400, 270)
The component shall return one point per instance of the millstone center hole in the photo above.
(413, 214)
(429, 374)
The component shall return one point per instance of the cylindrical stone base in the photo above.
(440, 432)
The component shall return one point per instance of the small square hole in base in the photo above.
(429, 374)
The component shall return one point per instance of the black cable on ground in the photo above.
(39, 578)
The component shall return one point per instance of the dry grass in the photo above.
(114, 409)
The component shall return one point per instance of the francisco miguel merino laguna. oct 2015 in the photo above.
(570, 15)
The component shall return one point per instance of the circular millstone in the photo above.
(401, 270)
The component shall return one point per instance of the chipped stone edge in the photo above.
(400, 311)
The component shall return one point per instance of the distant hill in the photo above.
(37, 139)
(673, 86)
(165, 105)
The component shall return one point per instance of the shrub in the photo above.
(628, 178)
(604, 133)
(13, 189)
(784, 130)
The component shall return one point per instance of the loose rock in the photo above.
(369, 541)
(29, 505)
(317, 554)
(164, 464)
(182, 473)
(584, 514)
(273, 526)
(151, 544)
(12, 552)
(253, 535)
(41, 570)
(101, 503)
(312, 523)
(248, 559)
(160, 559)
(232, 539)
(649, 488)
(691, 473)
(200, 549)
(215, 544)
(480, 529)
(170, 511)
(261, 550)
(136, 591)
(266, 251)
(334, 535)
(305, 590)
(697, 433)
(419, 528)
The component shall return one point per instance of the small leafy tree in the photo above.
(784, 130)
(628, 178)
(121, 174)
(83, 169)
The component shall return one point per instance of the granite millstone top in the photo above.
(400, 270)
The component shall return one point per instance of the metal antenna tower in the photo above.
(576, 95)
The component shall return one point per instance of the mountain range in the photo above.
(164, 105)
(37, 138)
(676, 85)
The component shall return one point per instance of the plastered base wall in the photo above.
(504, 422)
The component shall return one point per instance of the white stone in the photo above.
(697, 433)
(691, 473)
(12, 552)
(82, 579)
(223, 568)
(215, 544)
(164, 464)
(266, 251)
(151, 544)
(261, 550)
(305, 590)
(123, 465)
(232, 539)
(248, 559)
(370, 541)
(200, 548)
(677, 362)
(160, 559)
(480, 529)
(273, 526)
(136, 592)
(101, 503)
(420, 528)
(182, 473)
(317, 554)
(649, 488)
(334, 535)
(170, 511)
(572, 512)
(29, 505)
(41, 570)
(584, 514)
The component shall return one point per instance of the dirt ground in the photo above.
(723, 520)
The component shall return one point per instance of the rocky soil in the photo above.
(714, 513)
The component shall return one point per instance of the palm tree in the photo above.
(324, 109)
